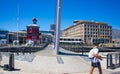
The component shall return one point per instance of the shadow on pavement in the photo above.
(71, 54)
(7, 69)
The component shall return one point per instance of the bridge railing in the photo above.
(113, 60)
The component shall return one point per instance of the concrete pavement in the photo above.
(47, 62)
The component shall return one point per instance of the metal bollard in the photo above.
(11, 62)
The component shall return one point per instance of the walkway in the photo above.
(47, 62)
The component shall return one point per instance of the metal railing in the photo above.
(24, 49)
(113, 60)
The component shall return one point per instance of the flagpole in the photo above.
(57, 32)
(18, 20)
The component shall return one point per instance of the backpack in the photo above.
(90, 54)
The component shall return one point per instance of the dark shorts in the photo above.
(96, 64)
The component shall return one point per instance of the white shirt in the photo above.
(93, 52)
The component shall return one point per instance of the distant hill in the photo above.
(115, 34)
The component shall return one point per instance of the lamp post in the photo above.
(57, 32)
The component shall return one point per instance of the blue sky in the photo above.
(45, 11)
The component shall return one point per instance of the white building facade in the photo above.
(90, 32)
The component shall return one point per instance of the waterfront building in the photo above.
(33, 32)
(20, 35)
(90, 32)
(3, 37)
(71, 41)
(43, 35)
(47, 36)
(11, 37)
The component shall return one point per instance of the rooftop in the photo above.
(78, 22)
(33, 25)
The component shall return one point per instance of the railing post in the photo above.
(82, 50)
(109, 61)
(116, 55)
(23, 51)
(30, 48)
(111, 64)
(17, 51)
(113, 57)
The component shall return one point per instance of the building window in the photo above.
(88, 36)
(85, 25)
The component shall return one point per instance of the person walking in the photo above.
(95, 57)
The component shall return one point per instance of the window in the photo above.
(88, 36)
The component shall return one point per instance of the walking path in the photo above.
(47, 62)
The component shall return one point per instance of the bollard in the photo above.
(11, 62)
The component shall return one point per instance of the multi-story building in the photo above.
(90, 31)
(47, 36)
(20, 35)
(3, 37)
